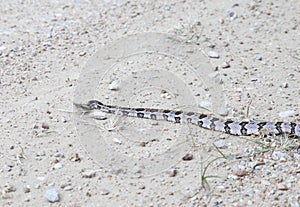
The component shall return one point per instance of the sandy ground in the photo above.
(47, 48)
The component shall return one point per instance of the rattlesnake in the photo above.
(244, 128)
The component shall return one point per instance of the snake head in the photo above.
(91, 105)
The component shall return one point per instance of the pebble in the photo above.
(205, 104)
(165, 94)
(82, 53)
(104, 192)
(232, 14)
(27, 189)
(220, 144)
(284, 85)
(223, 111)
(296, 156)
(212, 44)
(99, 115)
(225, 65)
(9, 188)
(136, 170)
(89, 174)
(117, 141)
(63, 119)
(113, 86)
(293, 201)
(68, 188)
(45, 126)
(172, 172)
(58, 154)
(282, 187)
(74, 157)
(258, 57)
(213, 54)
(277, 155)
(232, 177)
(288, 113)
(41, 178)
(187, 157)
(41, 153)
(58, 166)
(51, 195)
(241, 173)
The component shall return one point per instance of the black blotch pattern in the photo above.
(178, 112)
(200, 123)
(261, 125)
(190, 113)
(227, 128)
(278, 127)
(212, 125)
(177, 119)
(153, 116)
(153, 110)
(165, 116)
(125, 113)
(140, 115)
(201, 116)
(243, 129)
(293, 128)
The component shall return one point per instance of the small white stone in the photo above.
(58, 166)
(46, 44)
(288, 113)
(99, 115)
(104, 192)
(82, 53)
(41, 178)
(213, 54)
(172, 172)
(258, 57)
(277, 155)
(136, 170)
(232, 14)
(297, 156)
(205, 104)
(225, 65)
(58, 154)
(113, 86)
(68, 188)
(285, 85)
(223, 111)
(220, 144)
(51, 195)
(117, 141)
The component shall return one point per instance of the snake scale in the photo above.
(244, 128)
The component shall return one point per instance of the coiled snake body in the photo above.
(202, 120)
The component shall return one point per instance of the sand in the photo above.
(236, 60)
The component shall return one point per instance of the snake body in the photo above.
(244, 128)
